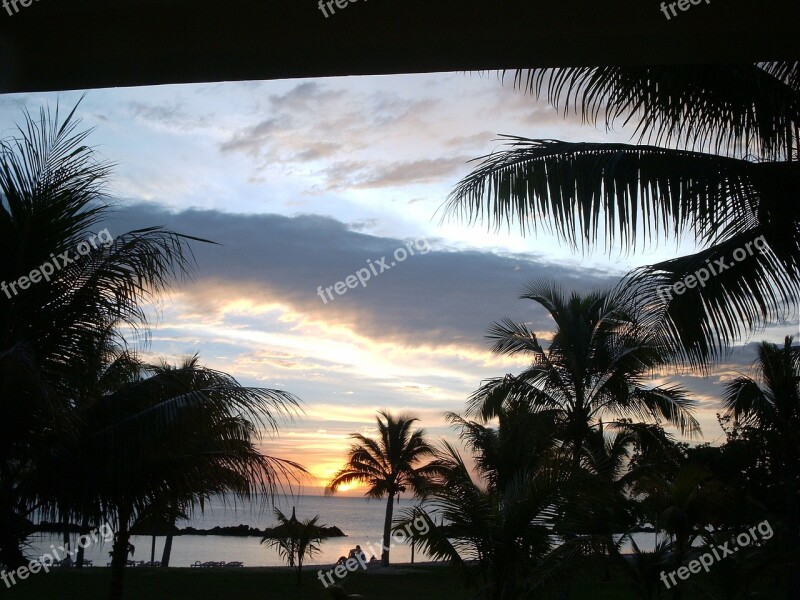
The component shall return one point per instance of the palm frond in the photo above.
(727, 109)
(584, 190)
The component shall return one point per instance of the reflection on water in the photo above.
(359, 518)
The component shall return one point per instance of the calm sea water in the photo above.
(361, 519)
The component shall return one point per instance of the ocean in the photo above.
(360, 518)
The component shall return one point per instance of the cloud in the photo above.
(251, 139)
(305, 97)
(413, 172)
(341, 127)
(412, 338)
(288, 125)
(174, 116)
(367, 175)
(441, 298)
(475, 141)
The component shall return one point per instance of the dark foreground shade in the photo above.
(79, 44)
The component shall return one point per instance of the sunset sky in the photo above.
(301, 183)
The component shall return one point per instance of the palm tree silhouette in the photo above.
(683, 502)
(598, 363)
(160, 438)
(295, 540)
(52, 199)
(499, 531)
(770, 402)
(716, 154)
(390, 465)
(186, 442)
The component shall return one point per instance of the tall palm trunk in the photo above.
(387, 530)
(576, 456)
(119, 554)
(65, 532)
(165, 556)
(81, 549)
(168, 543)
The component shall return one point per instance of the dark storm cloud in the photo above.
(439, 298)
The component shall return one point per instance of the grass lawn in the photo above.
(233, 584)
(397, 583)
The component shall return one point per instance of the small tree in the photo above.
(295, 540)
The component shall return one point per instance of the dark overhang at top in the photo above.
(81, 44)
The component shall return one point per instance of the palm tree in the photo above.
(186, 378)
(500, 531)
(598, 363)
(614, 461)
(190, 445)
(684, 502)
(716, 154)
(160, 438)
(52, 201)
(644, 568)
(390, 465)
(295, 540)
(770, 402)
